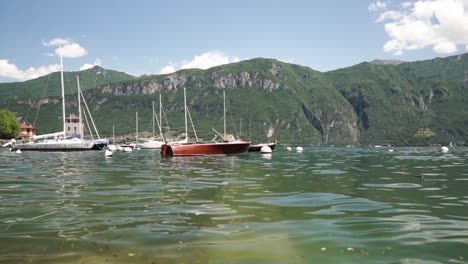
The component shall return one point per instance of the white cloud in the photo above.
(9, 70)
(209, 59)
(206, 60)
(86, 66)
(56, 42)
(67, 48)
(440, 24)
(377, 5)
(390, 15)
(71, 51)
(445, 47)
(167, 69)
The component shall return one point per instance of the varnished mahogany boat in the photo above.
(198, 149)
(225, 147)
(258, 147)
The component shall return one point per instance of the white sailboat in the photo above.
(133, 145)
(154, 143)
(58, 141)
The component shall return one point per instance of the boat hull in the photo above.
(60, 145)
(258, 147)
(100, 144)
(152, 144)
(201, 149)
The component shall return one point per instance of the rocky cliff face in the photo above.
(244, 79)
(35, 103)
(168, 83)
(175, 81)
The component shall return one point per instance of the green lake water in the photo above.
(324, 205)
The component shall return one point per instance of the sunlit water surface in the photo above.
(325, 205)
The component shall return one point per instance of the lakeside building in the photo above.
(27, 131)
(72, 125)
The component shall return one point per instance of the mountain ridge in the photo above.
(410, 103)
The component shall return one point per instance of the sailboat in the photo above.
(133, 145)
(153, 143)
(59, 141)
(228, 145)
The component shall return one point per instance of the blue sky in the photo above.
(152, 37)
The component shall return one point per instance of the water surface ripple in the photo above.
(324, 205)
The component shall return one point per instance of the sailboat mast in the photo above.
(160, 117)
(153, 119)
(80, 130)
(63, 94)
(185, 108)
(224, 116)
(136, 120)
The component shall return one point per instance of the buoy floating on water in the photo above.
(265, 149)
(299, 149)
(108, 153)
(390, 150)
(444, 149)
(112, 147)
(18, 151)
(288, 148)
(127, 149)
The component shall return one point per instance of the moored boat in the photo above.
(154, 143)
(224, 147)
(199, 149)
(61, 141)
(151, 144)
(258, 147)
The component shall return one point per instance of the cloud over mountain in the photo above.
(204, 61)
(66, 48)
(440, 24)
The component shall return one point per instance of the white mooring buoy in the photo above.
(18, 151)
(127, 149)
(112, 147)
(108, 153)
(444, 149)
(299, 149)
(265, 149)
(288, 148)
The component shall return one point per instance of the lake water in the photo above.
(324, 205)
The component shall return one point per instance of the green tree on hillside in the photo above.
(9, 126)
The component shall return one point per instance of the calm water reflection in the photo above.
(325, 205)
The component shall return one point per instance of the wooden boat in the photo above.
(199, 149)
(212, 148)
(258, 147)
